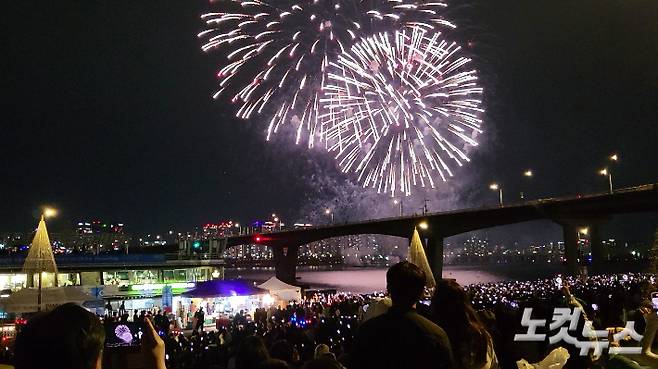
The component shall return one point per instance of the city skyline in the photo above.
(120, 122)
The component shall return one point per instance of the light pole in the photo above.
(496, 187)
(613, 158)
(49, 212)
(399, 203)
(330, 213)
(528, 174)
(607, 172)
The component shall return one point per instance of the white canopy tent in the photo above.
(282, 290)
(26, 299)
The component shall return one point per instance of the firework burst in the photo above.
(401, 109)
(277, 52)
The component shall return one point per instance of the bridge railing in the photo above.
(65, 260)
(542, 201)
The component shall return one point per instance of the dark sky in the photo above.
(107, 110)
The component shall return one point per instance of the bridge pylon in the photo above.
(285, 262)
(571, 230)
(435, 255)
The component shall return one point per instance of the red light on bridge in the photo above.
(260, 238)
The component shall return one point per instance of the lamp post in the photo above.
(608, 173)
(49, 212)
(330, 213)
(399, 203)
(528, 174)
(496, 187)
(613, 158)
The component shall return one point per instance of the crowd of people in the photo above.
(450, 326)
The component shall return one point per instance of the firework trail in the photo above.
(400, 109)
(277, 51)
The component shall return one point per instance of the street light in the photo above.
(328, 212)
(49, 212)
(399, 203)
(613, 158)
(528, 174)
(607, 172)
(496, 187)
(423, 225)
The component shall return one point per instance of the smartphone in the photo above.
(654, 300)
(126, 334)
(558, 282)
(595, 307)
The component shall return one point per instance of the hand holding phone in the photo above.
(153, 347)
(123, 334)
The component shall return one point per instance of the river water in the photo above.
(364, 280)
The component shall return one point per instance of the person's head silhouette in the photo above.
(68, 337)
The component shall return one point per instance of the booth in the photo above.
(282, 290)
(220, 299)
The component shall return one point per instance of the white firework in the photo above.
(401, 109)
(277, 51)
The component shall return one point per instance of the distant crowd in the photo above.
(605, 321)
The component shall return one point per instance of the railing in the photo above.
(65, 260)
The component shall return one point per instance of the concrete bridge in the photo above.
(572, 213)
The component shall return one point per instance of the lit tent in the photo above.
(417, 256)
(282, 290)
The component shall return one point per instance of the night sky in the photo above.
(107, 113)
